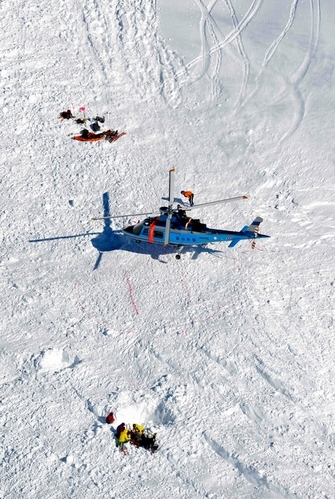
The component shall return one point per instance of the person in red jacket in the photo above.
(110, 418)
(189, 195)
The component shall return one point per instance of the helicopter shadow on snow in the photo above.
(111, 240)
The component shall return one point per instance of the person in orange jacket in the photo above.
(189, 195)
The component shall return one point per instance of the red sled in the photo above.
(109, 135)
(87, 136)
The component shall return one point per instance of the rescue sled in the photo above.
(90, 137)
(109, 135)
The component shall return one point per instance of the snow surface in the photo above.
(228, 354)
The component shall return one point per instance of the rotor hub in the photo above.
(166, 210)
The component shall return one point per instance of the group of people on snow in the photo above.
(109, 135)
(136, 435)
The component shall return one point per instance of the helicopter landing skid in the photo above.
(179, 250)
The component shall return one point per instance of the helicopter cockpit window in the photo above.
(137, 228)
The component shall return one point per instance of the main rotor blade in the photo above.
(123, 216)
(171, 186)
(167, 230)
(210, 203)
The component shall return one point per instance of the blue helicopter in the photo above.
(174, 227)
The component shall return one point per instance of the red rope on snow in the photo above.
(131, 292)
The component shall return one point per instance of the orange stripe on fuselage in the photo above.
(151, 231)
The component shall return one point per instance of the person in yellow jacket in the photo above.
(189, 195)
(136, 434)
(138, 427)
(123, 438)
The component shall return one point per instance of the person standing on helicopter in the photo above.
(189, 195)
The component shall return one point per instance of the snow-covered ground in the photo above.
(228, 354)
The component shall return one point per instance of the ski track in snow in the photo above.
(147, 61)
(291, 83)
(209, 44)
(209, 48)
(296, 79)
(271, 52)
(207, 24)
(249, 472)
(243, 53)
(235, 33)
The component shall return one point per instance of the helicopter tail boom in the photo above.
(248, 232)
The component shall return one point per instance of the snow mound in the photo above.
(55, 360)
(147, 411)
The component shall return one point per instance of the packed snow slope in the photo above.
(228, 354)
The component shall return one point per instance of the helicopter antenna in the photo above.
(170, 210)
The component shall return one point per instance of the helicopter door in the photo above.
(156, 233)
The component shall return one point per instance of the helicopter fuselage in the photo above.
(184, 231)
(174, 227)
